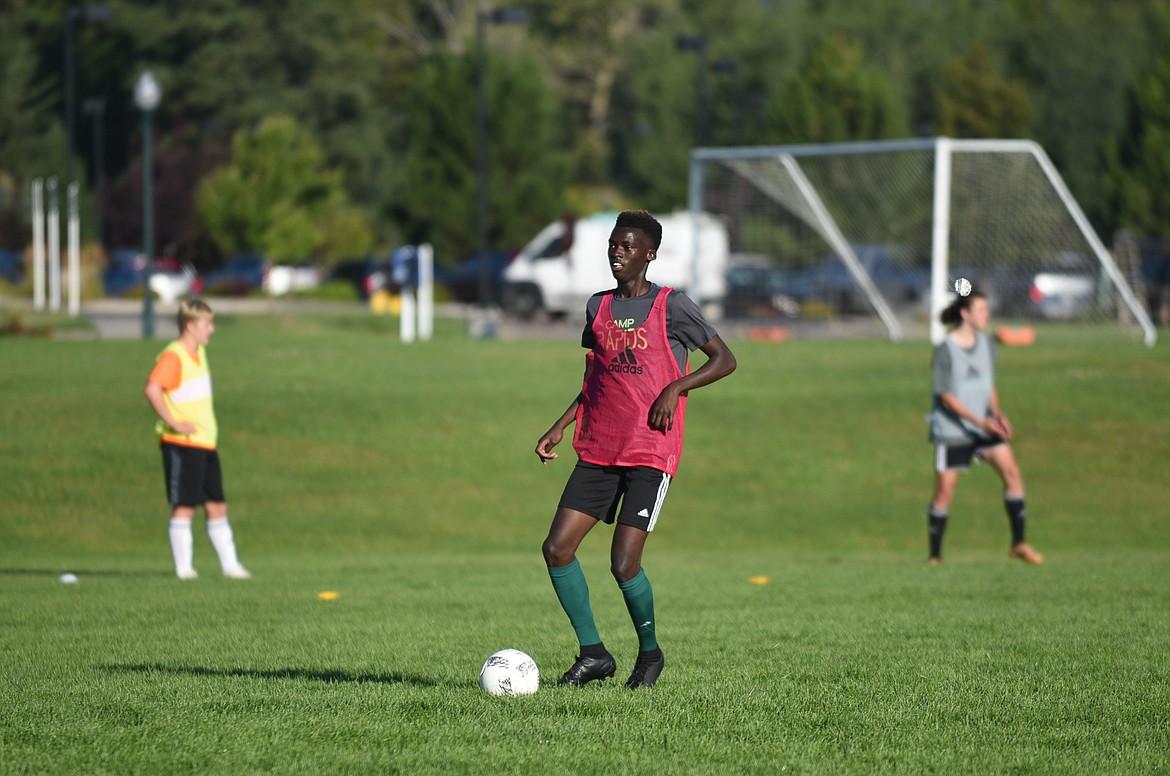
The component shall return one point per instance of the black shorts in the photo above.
(631, 494)
(960, 456)
(192, 474)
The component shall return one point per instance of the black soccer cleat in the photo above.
(646, 669)
(586, 669)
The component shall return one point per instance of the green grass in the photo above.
(403, 478)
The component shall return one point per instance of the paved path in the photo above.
(123, 318)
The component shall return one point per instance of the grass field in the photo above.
(403, 478)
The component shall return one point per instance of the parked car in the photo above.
(756, 288)
(901, 276)
(464, 279)
(170, 279)
(12, 267)
(123, 271)
(281, 279)
(1059, 289)
(240, 276)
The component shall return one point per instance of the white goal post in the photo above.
(881, 230)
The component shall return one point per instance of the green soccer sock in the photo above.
(573, 592)
(640, 603)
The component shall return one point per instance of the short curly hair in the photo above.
(641, 219)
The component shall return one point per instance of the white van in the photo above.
(568, 261)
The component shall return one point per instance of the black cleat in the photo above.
(586, 669)
(646, 669)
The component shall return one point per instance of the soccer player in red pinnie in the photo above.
(628, 438)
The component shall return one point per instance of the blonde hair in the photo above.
(192, 310)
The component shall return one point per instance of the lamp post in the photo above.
(147, 94)
(482, 19)
(74, 14)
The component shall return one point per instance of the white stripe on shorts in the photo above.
(940, 458)
(659, 499)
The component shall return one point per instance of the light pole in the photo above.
(147, 94)
(74, 14)
(482, 19)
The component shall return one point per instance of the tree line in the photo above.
(343, 128)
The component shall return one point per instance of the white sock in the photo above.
(182, 545)
(220, 533)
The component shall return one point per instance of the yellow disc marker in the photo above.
(757, 580)
(329, 595)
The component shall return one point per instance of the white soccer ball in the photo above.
(509, 672)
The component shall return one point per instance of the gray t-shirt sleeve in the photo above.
(686, 323)
(591, 309)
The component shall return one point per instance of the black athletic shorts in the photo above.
(631, 494)
(193, 475)
(960, 456)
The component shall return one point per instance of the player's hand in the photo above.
(544, 447)
(999, 425)
(661, 416)
(186, 428)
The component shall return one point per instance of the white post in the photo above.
(426, 291)
(38, 218)
(74, 249)
(54, 248)
(940, 237)
(406, 321)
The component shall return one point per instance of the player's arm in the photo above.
(553, 437)
(156, 395)
(995, 414)
(720, 363)
(992, 424)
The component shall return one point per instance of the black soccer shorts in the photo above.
(960, 456)
(633, 495)
(193, 475)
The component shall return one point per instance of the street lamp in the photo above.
(74, 14)
(147, 94)
(482, 19)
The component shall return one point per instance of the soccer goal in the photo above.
(857, 234)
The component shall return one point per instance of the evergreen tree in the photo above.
(833, 97)
(976, 101)
(437, 198)
(1139, 169)
(277, 197)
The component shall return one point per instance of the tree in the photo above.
(277, 197)
(1139, 169)
(976, 101)
(438, 195)
(32, 142)
(834, 98)
(658, 105)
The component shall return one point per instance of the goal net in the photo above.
(854, 237)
